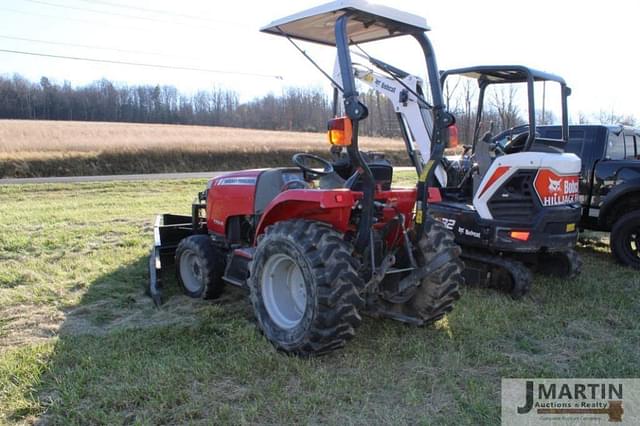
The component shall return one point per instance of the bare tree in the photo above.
(629, 120)
(583, 118)
(546, 117)
(468, 119)
(608, 117)
(503, 100)
(449, 91)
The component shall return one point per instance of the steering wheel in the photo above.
(511, 140)
(517, 143)
(312, 165)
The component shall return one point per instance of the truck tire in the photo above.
(625, 239)
(199, 267)
(304, 288)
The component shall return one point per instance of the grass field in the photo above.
(81, 344)
(67, 148)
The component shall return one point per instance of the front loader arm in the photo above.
(416, 122)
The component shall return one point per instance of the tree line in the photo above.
(295, 109)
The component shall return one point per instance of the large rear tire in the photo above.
(199, 267)
(625, 239)
(438, 291)
(304, 288)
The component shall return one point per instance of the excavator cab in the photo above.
(499, 126)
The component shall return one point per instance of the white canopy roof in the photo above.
(368, 22)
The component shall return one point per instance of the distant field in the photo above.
(68, 148)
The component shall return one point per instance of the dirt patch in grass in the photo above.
(138, 311)
(28, 324)
(31, 324)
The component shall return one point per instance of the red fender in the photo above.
(332, 206)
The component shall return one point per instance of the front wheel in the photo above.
(625, 239)
(200, 266)
(304, 288)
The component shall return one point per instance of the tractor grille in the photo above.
(515, 200)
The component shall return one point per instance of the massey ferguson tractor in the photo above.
(315, 248)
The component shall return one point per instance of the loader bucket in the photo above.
(168, 231)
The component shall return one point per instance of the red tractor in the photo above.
(319, 244)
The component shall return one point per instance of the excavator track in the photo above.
(499, 272)
(563, 264)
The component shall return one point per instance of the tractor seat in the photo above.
(272, 182)
(381, 169)
(482, 157)
(382, 175)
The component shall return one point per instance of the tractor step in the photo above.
(237, 270)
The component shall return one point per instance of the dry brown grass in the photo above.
(30, 139)
(71, 148)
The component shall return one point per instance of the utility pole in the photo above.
(544, 94)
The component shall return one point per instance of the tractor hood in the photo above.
(369, 22)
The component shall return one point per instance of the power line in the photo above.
(66, 18)
(158, 11)
(82, 21)
(141, 64)
(117, 14)
(86, 46)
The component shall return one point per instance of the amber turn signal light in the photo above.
(340, 131)
(519, 235)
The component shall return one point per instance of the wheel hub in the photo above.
(196, 269)
(284, 291)
(634, 242)
(191, 271)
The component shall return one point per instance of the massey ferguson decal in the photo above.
(240, 180)
(556, 190)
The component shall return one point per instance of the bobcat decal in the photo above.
(556, 190)
(554, 185)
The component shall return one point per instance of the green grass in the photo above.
(81, 344)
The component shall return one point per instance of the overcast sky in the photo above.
(592, 44)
